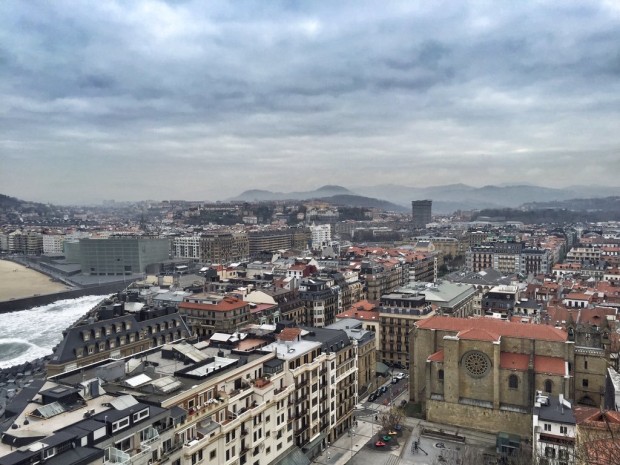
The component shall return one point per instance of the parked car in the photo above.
(395, 380)
(383, 389)
(400, 375)
(372, 397)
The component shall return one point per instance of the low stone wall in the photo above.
(479, 418)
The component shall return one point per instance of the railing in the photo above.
(168, 452)
(113, 455)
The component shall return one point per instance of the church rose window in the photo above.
(476, 363)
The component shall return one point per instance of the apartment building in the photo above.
(116, 328)
(187, 247)
(53, 244)
(269, 241)
(321, 301)
(224, 247)
(267, 399)
(583, 255)
(214, 314)
(366, 353)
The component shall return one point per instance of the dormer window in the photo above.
(86, 336)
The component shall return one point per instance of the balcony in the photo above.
(116, 456)
(301, 429)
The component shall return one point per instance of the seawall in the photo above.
(46, 299)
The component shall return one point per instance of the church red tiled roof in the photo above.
(436, 357)
(550, 365)
(478, 334)
(494, 326)
(510, 361)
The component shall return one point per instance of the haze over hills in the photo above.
(446, 198)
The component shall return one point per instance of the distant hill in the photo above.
(363, 202)
(263, 195)
(606, 204)
(453, 197)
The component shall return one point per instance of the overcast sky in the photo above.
(135, 100)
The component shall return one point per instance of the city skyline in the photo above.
(156, 100)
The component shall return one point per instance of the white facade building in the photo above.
(186, 247)
(53, 244)
(321, 236)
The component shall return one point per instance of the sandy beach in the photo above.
(17, 281)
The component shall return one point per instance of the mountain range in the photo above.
(446, 199)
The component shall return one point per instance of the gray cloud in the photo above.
(147, 99)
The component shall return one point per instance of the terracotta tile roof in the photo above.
(366, 315)
(478, 334)
(592, 416)
(289, 334)
(363, 305)
(583, 413)
(550, 365)
(436, 357)
(510, 361)
(492, 325)
(578, 296)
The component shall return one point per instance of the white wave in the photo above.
(41, 327)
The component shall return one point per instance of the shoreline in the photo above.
(18, 282)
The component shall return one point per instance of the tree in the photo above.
(392, 418)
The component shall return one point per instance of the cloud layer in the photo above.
(201, 100)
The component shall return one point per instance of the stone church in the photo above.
(483, 373)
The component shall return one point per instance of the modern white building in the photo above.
(53, 244)
(186, 247)
(321, 236)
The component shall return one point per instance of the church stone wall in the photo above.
(487, 420)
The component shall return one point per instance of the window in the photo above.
(213, 454)
(120, 424)
(513, 382)
(440, 375)
(140, 415)
(585, 364)
(548, 386)
(584, 383)
(563, 430)
(563, 454)
(550, 452)
(547, 426)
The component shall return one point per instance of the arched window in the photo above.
(549, 386)
(513, 382)
(440, 375)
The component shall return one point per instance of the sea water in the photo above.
(26, 335)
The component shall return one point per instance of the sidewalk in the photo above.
(349, 448)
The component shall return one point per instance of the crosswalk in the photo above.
(392, 460)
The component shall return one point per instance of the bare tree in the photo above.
(390, 419)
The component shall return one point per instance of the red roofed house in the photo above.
(483, 372)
